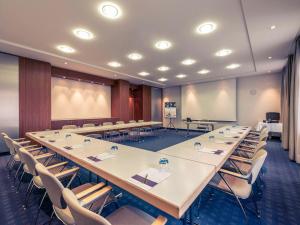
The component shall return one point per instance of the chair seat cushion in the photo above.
(64, 215)
(239, 186)
(38, 182)
(128, 215)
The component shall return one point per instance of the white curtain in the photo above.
(291, 105)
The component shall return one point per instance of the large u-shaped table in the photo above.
(190, 169)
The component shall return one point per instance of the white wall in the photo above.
(79, 100)
(256, 95)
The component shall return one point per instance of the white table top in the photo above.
(186, 149)
(190, 170)
(173, 195)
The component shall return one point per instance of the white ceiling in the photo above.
(34, 28)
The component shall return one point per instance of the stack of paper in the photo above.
(101, 157)
(149, 178)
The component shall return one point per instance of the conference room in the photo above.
(150, 112)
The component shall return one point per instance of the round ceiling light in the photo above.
(188, 62)
(135, 56)
(233, 66)
(163, 68)
(180, 76)
(163, 44)
(206, 28)
(83, 34)
(114, 64)
(223, 52)
(144, 73)
(162, 79)
(204, 71)
(110, 10)
(65, 49)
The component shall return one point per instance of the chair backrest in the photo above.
(120, 122)
(8, 143)
(82, 216)
(3, 135)
(264, 136)
(132, 121)
(260, 145)
(29, 161)
(16, 148)
(52, 185)
(64, 127)
(257, 163)
(107, 123)
(140, 121)
(88, 125)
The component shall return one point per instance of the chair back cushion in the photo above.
(69, 127)
(53, 186)
(82, 216)
(29, 160)
(88, 125)
(107, 123)
(257, 164)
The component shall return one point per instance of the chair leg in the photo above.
(21, 178)
(18, 170)
(257, 212)
(28, 195)
(8, 162)
(40, 206)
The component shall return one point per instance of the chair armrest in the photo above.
(31, 146)
(160, 220)
(66, 173)
(24, 142)
(57, 165)
(34, 149)
(43, 156)
(19, 139)
(251, 150)
(251, 141)
(240, 159)
(90, 190)
(238, 175)
(95, 196)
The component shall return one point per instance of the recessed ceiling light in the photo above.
(273, 27)
(65, 63)
(163, 44)
(163, 68)
(63, 77)
(204, 71)
(135, 56)
(233, 66)
(65, 48)
(269, 71)
(110, 10)
(114, 64)
(270, 57)
(144, 73)
(83, 34)
(162, 79)
(206, 28)
(188, 62)
(223, 52)
(180, 76)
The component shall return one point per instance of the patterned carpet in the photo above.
(279, 204)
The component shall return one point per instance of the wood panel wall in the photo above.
(35, 95)
(120, 100)
(141, 103)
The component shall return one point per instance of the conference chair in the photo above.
(110, 135)
(248, 151)
(123, 132)
(131, 121)
(66, 127)
(240, 185)
(88, 125)
(92, 196)
(140, 121)
(126, 215)
(250, 142)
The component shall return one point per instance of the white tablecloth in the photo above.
(272, 127)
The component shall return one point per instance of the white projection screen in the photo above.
(212, 101)
(79, 100)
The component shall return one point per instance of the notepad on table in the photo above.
(101, 157)
(212, 151)
(149, 178)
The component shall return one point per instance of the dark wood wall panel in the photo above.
(141, 102)
(146, 103)
(34, 95)
(57, 124)
(120, 100)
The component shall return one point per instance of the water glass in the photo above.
(197, 146)
(211, 138)
(163, 163)
(114, 149)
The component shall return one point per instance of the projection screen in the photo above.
(210, 101)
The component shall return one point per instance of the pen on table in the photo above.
(145, 178)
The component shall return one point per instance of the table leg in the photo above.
(188, 129)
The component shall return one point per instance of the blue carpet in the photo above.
(279, 204)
